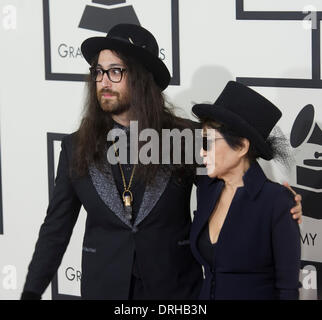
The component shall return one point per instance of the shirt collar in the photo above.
(119, 126)
(254, 179)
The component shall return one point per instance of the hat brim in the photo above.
(92, 46)
(238, 124)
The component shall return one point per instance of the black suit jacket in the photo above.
(258, 250)
(159, 236)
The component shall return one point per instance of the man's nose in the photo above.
(106, 82)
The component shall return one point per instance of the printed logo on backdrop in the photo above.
(306, 135)
(311, 19)
(68, 23)
(66, 283)
(305, 139)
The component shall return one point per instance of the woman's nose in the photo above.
(203, 153)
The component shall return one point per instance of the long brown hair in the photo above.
(147, 106)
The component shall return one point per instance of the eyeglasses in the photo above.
(207, 143)
(114, 74)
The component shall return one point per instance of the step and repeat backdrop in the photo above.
(271, 45)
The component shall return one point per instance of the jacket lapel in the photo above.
(106, 188)
(207, 196)
(152, 194)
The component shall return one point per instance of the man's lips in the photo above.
(108, 94)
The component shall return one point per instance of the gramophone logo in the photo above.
(102, 19)
(308, 173)
(68, 23)
(306, 139)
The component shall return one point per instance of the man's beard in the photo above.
(115, 106)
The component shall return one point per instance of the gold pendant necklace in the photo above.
(127, 195)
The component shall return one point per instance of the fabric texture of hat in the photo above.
(247, 112)
(134, 41)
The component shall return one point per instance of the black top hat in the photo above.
(247, 112)
(134, 41)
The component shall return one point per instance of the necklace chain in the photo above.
(126, 188)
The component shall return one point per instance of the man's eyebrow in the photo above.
(111, 65)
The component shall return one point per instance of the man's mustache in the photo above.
(114, 93)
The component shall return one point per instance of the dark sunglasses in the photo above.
(207, 143)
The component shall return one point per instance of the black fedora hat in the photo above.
(132, 40)
(247, 112)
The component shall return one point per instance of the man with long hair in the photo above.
(138, 215)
